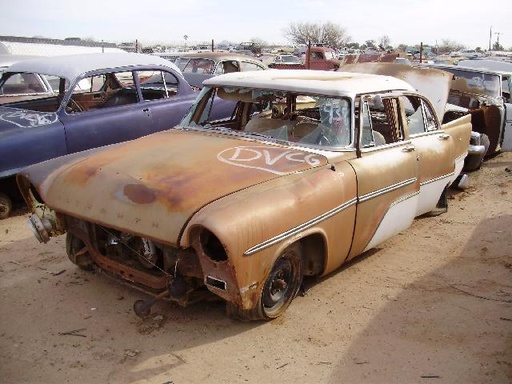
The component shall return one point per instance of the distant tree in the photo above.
(327, 33)
(402, 47)
(384, 42)
(369, 44)
(258, 42)
(448, 46)
(497, 46)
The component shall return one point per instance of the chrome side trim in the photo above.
(387, 189)
(293, 231)
(448, 175)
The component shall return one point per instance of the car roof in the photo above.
(492, 65)
(218, 56)
(463, 68)
(71, 66)
(7, 60)
(333, 83)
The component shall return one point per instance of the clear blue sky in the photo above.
(164, 21)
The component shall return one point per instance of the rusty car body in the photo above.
(488, 116)
(315, 57)
(482, 93)
(199, 66)
(312, 169)
(92, 100)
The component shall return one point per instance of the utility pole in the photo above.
(498, 38)
(490, 38)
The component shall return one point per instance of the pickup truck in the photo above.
(322, 58)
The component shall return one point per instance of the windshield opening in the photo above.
(306, 119)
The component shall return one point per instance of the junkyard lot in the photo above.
(433, 304)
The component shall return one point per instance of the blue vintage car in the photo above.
(96, 100)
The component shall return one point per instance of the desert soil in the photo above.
(431, 305)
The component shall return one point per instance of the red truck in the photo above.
(316, 58)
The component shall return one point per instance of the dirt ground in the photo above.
(432, 305)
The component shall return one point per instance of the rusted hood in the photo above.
(153, 185)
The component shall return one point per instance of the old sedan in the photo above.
(197, 67)
(312, 169)
(91, 100)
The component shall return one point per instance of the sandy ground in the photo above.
(432, 305)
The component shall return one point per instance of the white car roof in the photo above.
(311, 81)
(72, 66)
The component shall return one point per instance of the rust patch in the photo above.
(139, 194)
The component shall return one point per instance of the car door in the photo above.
(387, 174)
(120, 116)
(167, 98)
(434, 148)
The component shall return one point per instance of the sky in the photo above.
(470, 23)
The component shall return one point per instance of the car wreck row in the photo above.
(309, 170)
(88, 101)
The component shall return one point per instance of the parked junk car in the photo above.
(311, 169)
(480, 93)
(286, 59)
(97, 99)
(197, 67)
(24, 85)
(501, 67)
(315, 57)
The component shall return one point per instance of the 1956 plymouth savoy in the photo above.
(312, 169)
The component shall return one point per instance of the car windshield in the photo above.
(197, 65)
(299, 118)
(487, 83)
(288, 59)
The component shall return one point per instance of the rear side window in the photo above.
(380, 121)
(419, 116)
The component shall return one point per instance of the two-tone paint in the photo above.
(220, 208)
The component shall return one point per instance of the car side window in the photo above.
(156, 85)
(23, 83)
(198, 65)
(103, 91)
(246, 66)
(380, 120)
(419, 115)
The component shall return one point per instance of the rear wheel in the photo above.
(77, 252)
(279, 289)
(5, 206)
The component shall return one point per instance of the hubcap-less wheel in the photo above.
(77, 252)
(279, 288)
(282, 283)
(5, 206)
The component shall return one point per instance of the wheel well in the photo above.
(313, 254)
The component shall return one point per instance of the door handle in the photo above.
(443, 137)
(409, 148)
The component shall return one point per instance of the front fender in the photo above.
(252, 226)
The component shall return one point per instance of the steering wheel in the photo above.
(325, 137)
(73, 107)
